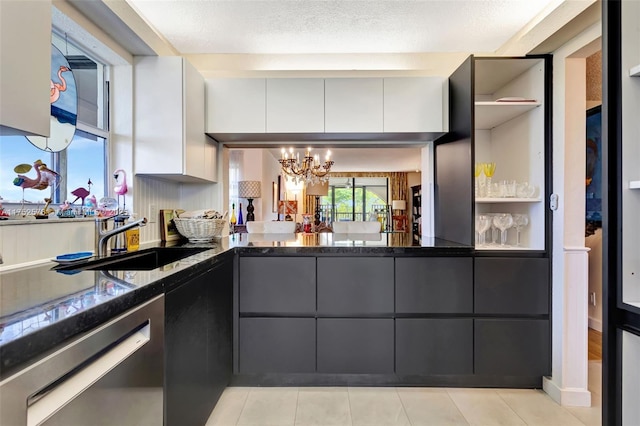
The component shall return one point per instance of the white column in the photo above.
(568, 383)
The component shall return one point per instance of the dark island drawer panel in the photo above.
(355, 346)
(278, 285)
(434, 346)
(509, 285)
(434, 285)
(512, 347)
(355, 285)
(277, 345)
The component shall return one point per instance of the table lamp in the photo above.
(399, 205)
(249, 189)
(320, 189)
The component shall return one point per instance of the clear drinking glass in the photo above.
(519, 221)
(477, 172)
(503, 221)
(489, 170)
(483, 223)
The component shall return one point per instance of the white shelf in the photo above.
(634, 184)
(635, 71)
(505, 248)
(508, 200)
(491, 114)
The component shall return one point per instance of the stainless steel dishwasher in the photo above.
(112, 375)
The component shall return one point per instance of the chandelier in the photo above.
(310, 170)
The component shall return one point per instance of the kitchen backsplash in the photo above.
(21, 243)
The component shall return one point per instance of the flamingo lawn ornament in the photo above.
(121, 188)
(45, 177)
(56, 88)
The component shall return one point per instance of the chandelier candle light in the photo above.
(249, 189)
(310, 170)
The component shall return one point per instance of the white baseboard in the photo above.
(570, 397)
(596, 324)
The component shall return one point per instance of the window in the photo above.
(354, 199)
(86, 156)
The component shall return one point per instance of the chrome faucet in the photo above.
(103, 235)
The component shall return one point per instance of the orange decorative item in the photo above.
(287, 208)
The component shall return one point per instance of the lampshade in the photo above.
(249, 189)
(287, 207)
(318, 190)
(399, 205)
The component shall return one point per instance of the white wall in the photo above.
(270, 173)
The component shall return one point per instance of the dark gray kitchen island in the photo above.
(331, 309)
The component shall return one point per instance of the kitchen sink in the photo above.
(143, 260)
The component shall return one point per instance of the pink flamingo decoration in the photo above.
(56, 88)
(121, 188)
(81, 192)
(45, 177)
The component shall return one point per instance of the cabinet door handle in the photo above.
(52, 398)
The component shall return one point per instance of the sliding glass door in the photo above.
(621, 207)
(355, 199)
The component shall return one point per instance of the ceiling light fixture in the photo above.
(310, 170)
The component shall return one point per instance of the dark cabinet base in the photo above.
(434, 346)
(277, 345)
(452, 321)
(320, 379)
(198, 345)
(355, 345)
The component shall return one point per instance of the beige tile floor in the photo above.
(358, 406)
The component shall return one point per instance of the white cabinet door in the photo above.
(295, 105)
(236, 105)
(25, 43)
(414, 104)
(194, 116)
(353, 105)
(169, 120)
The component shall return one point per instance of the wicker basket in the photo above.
(200, 229)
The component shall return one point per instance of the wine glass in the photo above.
(477, 172)
(503, 221)
(483, 222)
(494, 231)
(489, 170)
(519, 222)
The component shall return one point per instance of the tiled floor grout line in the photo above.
(456, 405)
(244, 404)
(406, 413)
(295, 414)
(349, 399)
(511, 408)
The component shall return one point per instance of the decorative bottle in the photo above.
(232, 221)
(240, 214)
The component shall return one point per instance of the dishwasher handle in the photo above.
(49, 400)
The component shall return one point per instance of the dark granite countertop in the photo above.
(389, 244)
(41, 309)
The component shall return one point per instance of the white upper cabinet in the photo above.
(415, 104)
(169, 121)
(295, 105)
(25, 43)
(236, 105)
(353, 105)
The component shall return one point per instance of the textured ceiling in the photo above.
(361, 26)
